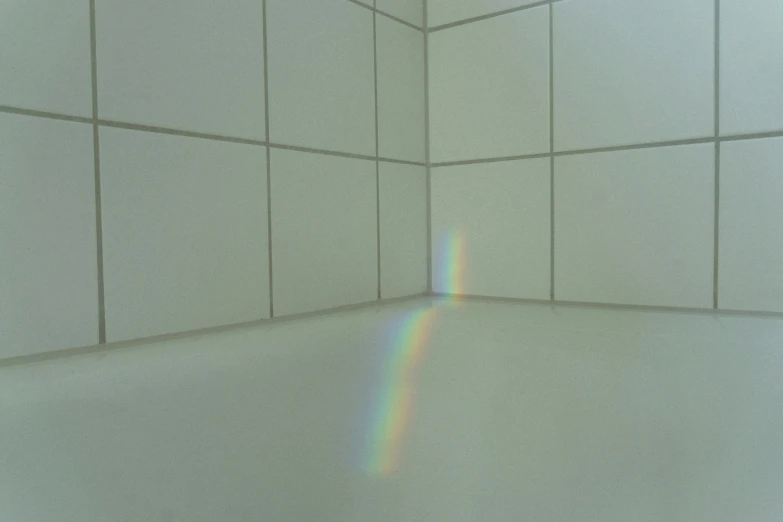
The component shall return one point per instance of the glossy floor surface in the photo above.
(414, 412)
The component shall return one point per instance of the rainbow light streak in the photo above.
(392, 409)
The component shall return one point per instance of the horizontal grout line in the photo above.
(490, 15)
(635, 146)
(387, 15)
(117, 345)
(491, 160)
(754, 136)
(199, 135)
(651, 145)
(297, 148)
(177, 132)
(44, 114)
(612, 306)
(403, 162)
(233, 139)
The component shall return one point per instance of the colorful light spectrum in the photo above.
(392, 408)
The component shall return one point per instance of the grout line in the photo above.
(403, 162)
(268, 163)
(44, 114)
(199, 135)
(650, 145)
(321, 151)
(551, 152)
(753, 136)
(387, 15)
(212, 330)
(428, 169)
(491, 160)
(716, 226)
(377, 149)
(449, 25)
(177, 132)
(97, 174)
(611, 306)
(217, 137)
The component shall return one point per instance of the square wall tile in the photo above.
(441, 12)
(636, 227)
(321, 75)
(48, 252)
(632, 72)
(491, 229)
(45, 59)
(184, 233)
(751, 76)
(409, 10)
(489, 88)
(400, 91)
(324, 231)
(197, 66)
(403, 208)
(751, 225)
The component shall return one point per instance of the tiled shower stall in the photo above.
(168, 167)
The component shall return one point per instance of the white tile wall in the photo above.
(324, 231)
(636, 227)
(45, 56)
(400, 91)
(409, 10)
(48, 258)
(632, 72)
(501, 213)
(489, 87)
(184, 230)
(751, 75)
(403, 211)
(193, 66)
(441, 12)
(321, 75)
(751, 225)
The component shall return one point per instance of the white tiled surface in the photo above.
(403, 207)
(519, 413)
(321, 80)
(441, 12)
(45, 56)
(500, 213)
(193, 66)
(48, 259)
(751, 225)
(400, 91)
(324, 231)
(633, 71)
(184, 231)
(489, 87)
(409, 10)
(750, 73)
(636, 227)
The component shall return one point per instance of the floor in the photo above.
(425, 411)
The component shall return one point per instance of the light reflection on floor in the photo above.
(518, 412)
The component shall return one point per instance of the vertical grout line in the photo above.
(428, 167)
(377, 148)
(717, 157)
(97, 173)
(551, 152)
(268, 160)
